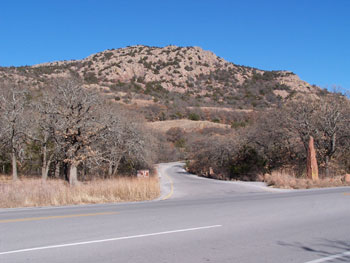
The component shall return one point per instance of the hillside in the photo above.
(169, 80)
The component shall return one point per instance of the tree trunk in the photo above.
(116, 166)
(14, 166)
(83, 172)
(73, 175)
(327, 166)
(57, 170)
(43, 173)
(110, 170)
(66, 171)
(44, 169)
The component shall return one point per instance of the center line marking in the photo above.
(338, 256)
(53, 217)
(108, 240)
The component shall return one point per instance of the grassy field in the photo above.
(36, 192)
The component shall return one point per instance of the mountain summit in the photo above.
(145, 75)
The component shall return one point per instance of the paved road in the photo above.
(201, 220)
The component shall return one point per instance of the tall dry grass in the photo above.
(281, 179)
(36, 192)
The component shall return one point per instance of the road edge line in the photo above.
(171, 188)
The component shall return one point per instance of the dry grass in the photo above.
(285, 180)
(35, 192)
(187, 125)
(4, 178)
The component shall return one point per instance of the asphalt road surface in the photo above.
(195, 220)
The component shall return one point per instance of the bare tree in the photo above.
(325, 119)
(122, 139)
(43, 129)
(13, 103)
(214, 156)
(273, 141)
(78, 125)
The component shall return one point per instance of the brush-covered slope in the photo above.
(146, 76)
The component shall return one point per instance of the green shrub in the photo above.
(246, 164)
(188, 68)
(193, 116)
(91, 78)
(238, 124)
(108, 55)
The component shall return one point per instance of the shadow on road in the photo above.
(325, 248)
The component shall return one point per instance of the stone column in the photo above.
(312, 168)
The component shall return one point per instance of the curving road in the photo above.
(195, 220)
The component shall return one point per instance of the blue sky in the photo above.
(310, 38)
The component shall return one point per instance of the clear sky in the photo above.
(308, 37)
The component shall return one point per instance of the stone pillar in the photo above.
(347, 178)
(312, 168)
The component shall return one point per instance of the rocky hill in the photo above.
(168, 77)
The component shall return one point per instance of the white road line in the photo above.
(108, 240)
(330, 258)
